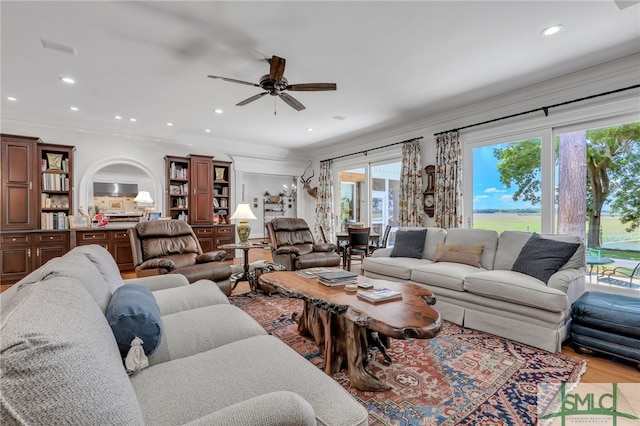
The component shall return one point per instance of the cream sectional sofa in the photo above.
(491, 297)
(214, 365)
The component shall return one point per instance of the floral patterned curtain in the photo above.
(324, 206)
(411, 198)
(448, 204)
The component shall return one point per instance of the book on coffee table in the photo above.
(379, 295)
(337, 278)
(313, 272)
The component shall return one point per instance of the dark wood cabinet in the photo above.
(201, 210)
(199, 191)
(205, 237)
(120, 249)
(225, 234)
(48, 245)
(22, 252)
(19, 183)
(115, 241)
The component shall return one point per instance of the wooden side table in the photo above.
(246, 276)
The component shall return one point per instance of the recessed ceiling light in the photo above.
(133, 120)
(11, 98)
(169, 124)
(67, 80)
(207, 130)
(309, 129)
(118, 117)
(218, 111)
(73, 108)
(553, 29)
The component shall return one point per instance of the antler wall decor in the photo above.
(305, 184)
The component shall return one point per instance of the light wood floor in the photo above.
(599, 369)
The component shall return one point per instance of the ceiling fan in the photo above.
(275, 84)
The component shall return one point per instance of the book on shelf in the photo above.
(376, 295)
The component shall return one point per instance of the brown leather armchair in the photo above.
(293, 246)
(171, 247)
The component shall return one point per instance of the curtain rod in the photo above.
(365, 152)
(545, 109)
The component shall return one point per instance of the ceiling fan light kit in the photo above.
(275, 84)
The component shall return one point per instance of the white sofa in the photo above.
(492, 297)
(215, 365)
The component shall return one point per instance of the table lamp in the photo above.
(143, 197)
(243, 213)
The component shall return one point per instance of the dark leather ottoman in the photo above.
(608, 323)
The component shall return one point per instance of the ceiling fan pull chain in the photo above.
(275, 106)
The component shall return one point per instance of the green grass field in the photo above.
(611, 229)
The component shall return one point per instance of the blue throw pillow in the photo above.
(409, 243)
(543, 257)
(134, 312)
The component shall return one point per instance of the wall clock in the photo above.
(430, 191)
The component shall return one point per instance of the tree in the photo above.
(572, 192)
(613, 167)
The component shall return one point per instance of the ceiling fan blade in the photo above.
(310, 87)
(292, 102)
(251, 99)
(233, 80)
(276, 72)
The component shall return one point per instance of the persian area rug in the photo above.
(462, 376)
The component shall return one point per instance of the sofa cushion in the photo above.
(511, 242)
(190, 332)
(133, 312)
(75, 264)
(475, 237)
(396, 267)
(433, 238)
(271, 367)
(59, 360)
(542, 257)
(469, 255)
(104, 262)
(517, 288)
(197, 295)
(409, 244)
(443, 274)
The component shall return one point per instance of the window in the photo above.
(598, 196)
(507, 186)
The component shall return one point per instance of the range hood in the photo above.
(101, 189)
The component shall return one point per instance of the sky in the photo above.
(488, 191)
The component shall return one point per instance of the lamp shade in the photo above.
(243, 212)
(143, 197)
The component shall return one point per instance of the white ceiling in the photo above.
(392, 61)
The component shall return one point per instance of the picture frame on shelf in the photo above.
(219, 171)
(55, 161)
(79, 222)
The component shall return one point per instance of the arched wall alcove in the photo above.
(86, 181)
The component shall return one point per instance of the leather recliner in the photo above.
(293, 246)
(171, 247)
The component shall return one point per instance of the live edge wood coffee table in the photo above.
(343, 325)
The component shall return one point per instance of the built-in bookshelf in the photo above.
(178, 174)
(56, 185)
(221, 190)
